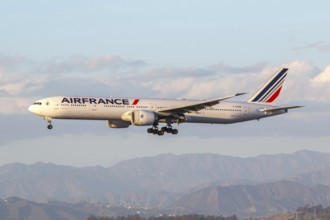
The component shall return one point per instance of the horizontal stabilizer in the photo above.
(269, 110)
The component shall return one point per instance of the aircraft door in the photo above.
(245, 112)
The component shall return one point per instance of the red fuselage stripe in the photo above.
(136, 101)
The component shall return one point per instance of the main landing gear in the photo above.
(167, 129)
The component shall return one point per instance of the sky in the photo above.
(161, 49)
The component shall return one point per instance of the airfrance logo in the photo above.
(99, 101)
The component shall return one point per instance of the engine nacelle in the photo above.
(143, 117)
(118, 124)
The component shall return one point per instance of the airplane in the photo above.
(123, 112)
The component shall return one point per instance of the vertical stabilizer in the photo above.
(271, 89)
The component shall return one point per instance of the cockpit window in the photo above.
(37, 103)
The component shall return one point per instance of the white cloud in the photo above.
(20, 84)
(320, 86)
(322, 78)
(203, 83)
(109, 61)
(224, 68)
(318, 45)
(84, 65)
(15, 105)
(214, 84)
(305, 81)
(296, 88)
(12, 88)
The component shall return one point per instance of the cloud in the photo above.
(115, 62)
(297, 86)
(23, 80)
(224, 68)
(12, 88)
(202, 83)
(306, 85)
(318, 46)
(174, 72)
(322, 78)
(17, 105)
(210, 82)
(12, 62)
(320, 86)
(84, 65)
(17, 84)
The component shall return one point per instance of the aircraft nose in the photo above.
(31, 109)
(34, 109)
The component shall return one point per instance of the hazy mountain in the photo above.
(20, 209)
(14, 208)
(313, 178)
(256, 200)
(182, 173)
(43, 182)
(158, 181)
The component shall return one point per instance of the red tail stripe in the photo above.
(275, 95)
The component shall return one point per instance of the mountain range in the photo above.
(191, 183)
(250, 200)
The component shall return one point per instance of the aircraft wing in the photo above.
(270, 110)
(195, 106)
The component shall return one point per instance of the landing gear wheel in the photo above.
(154, 130)
(175, 131)
(163, 130)
(50, 126)
(167, 129)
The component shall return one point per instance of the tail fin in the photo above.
(271, 89)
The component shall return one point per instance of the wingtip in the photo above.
(242, 93)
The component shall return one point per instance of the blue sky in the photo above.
(175, 49)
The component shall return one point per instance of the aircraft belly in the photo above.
(214, 119)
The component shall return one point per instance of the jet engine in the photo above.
(117, 124)
(142, 117)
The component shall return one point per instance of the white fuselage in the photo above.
(123, 112)
(91, 108)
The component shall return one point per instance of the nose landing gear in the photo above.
(49, 121)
